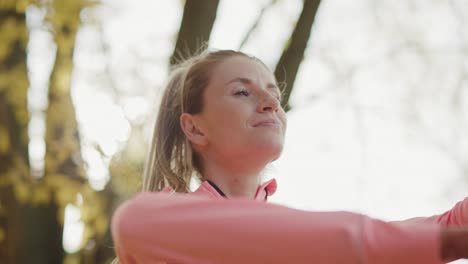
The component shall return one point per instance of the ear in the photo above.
(192, 130)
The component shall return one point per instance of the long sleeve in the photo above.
(456, 216)
(179, 228)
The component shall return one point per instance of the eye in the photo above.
(243, 92)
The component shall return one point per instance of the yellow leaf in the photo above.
(21, 192)
(6, 178)
(88, 212)
(88, 233)
(21, 6)
(101, 225)
(72, 259)
(57, 180)
(41, 195)
(65, 196)
(4, 140)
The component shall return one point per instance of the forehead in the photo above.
(240, 66)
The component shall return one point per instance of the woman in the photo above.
(221, 121)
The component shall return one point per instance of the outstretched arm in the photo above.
(187, 229)
(457, 216)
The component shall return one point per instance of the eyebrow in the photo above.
(249, 81)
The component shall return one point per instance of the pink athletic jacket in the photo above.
(204, 227)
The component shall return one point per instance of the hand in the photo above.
(454, 243)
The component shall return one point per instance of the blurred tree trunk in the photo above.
(63, 154)
(195, 29)
(63, 165)
(14, 119)
(291, 58)
(32, 222)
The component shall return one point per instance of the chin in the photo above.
(277, 155)
(271, 151)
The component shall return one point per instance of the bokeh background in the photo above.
(377, 100)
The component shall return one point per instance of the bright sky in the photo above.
(373, 127)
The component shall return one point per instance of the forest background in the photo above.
(376, 94)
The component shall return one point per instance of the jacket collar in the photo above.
(263, 191)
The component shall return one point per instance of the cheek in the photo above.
(227, 121)
(284, 120)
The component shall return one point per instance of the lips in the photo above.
(268, 123)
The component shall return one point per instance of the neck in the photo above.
(233, 180)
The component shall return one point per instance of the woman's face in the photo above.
(242, 116)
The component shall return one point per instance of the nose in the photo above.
(268, 103)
